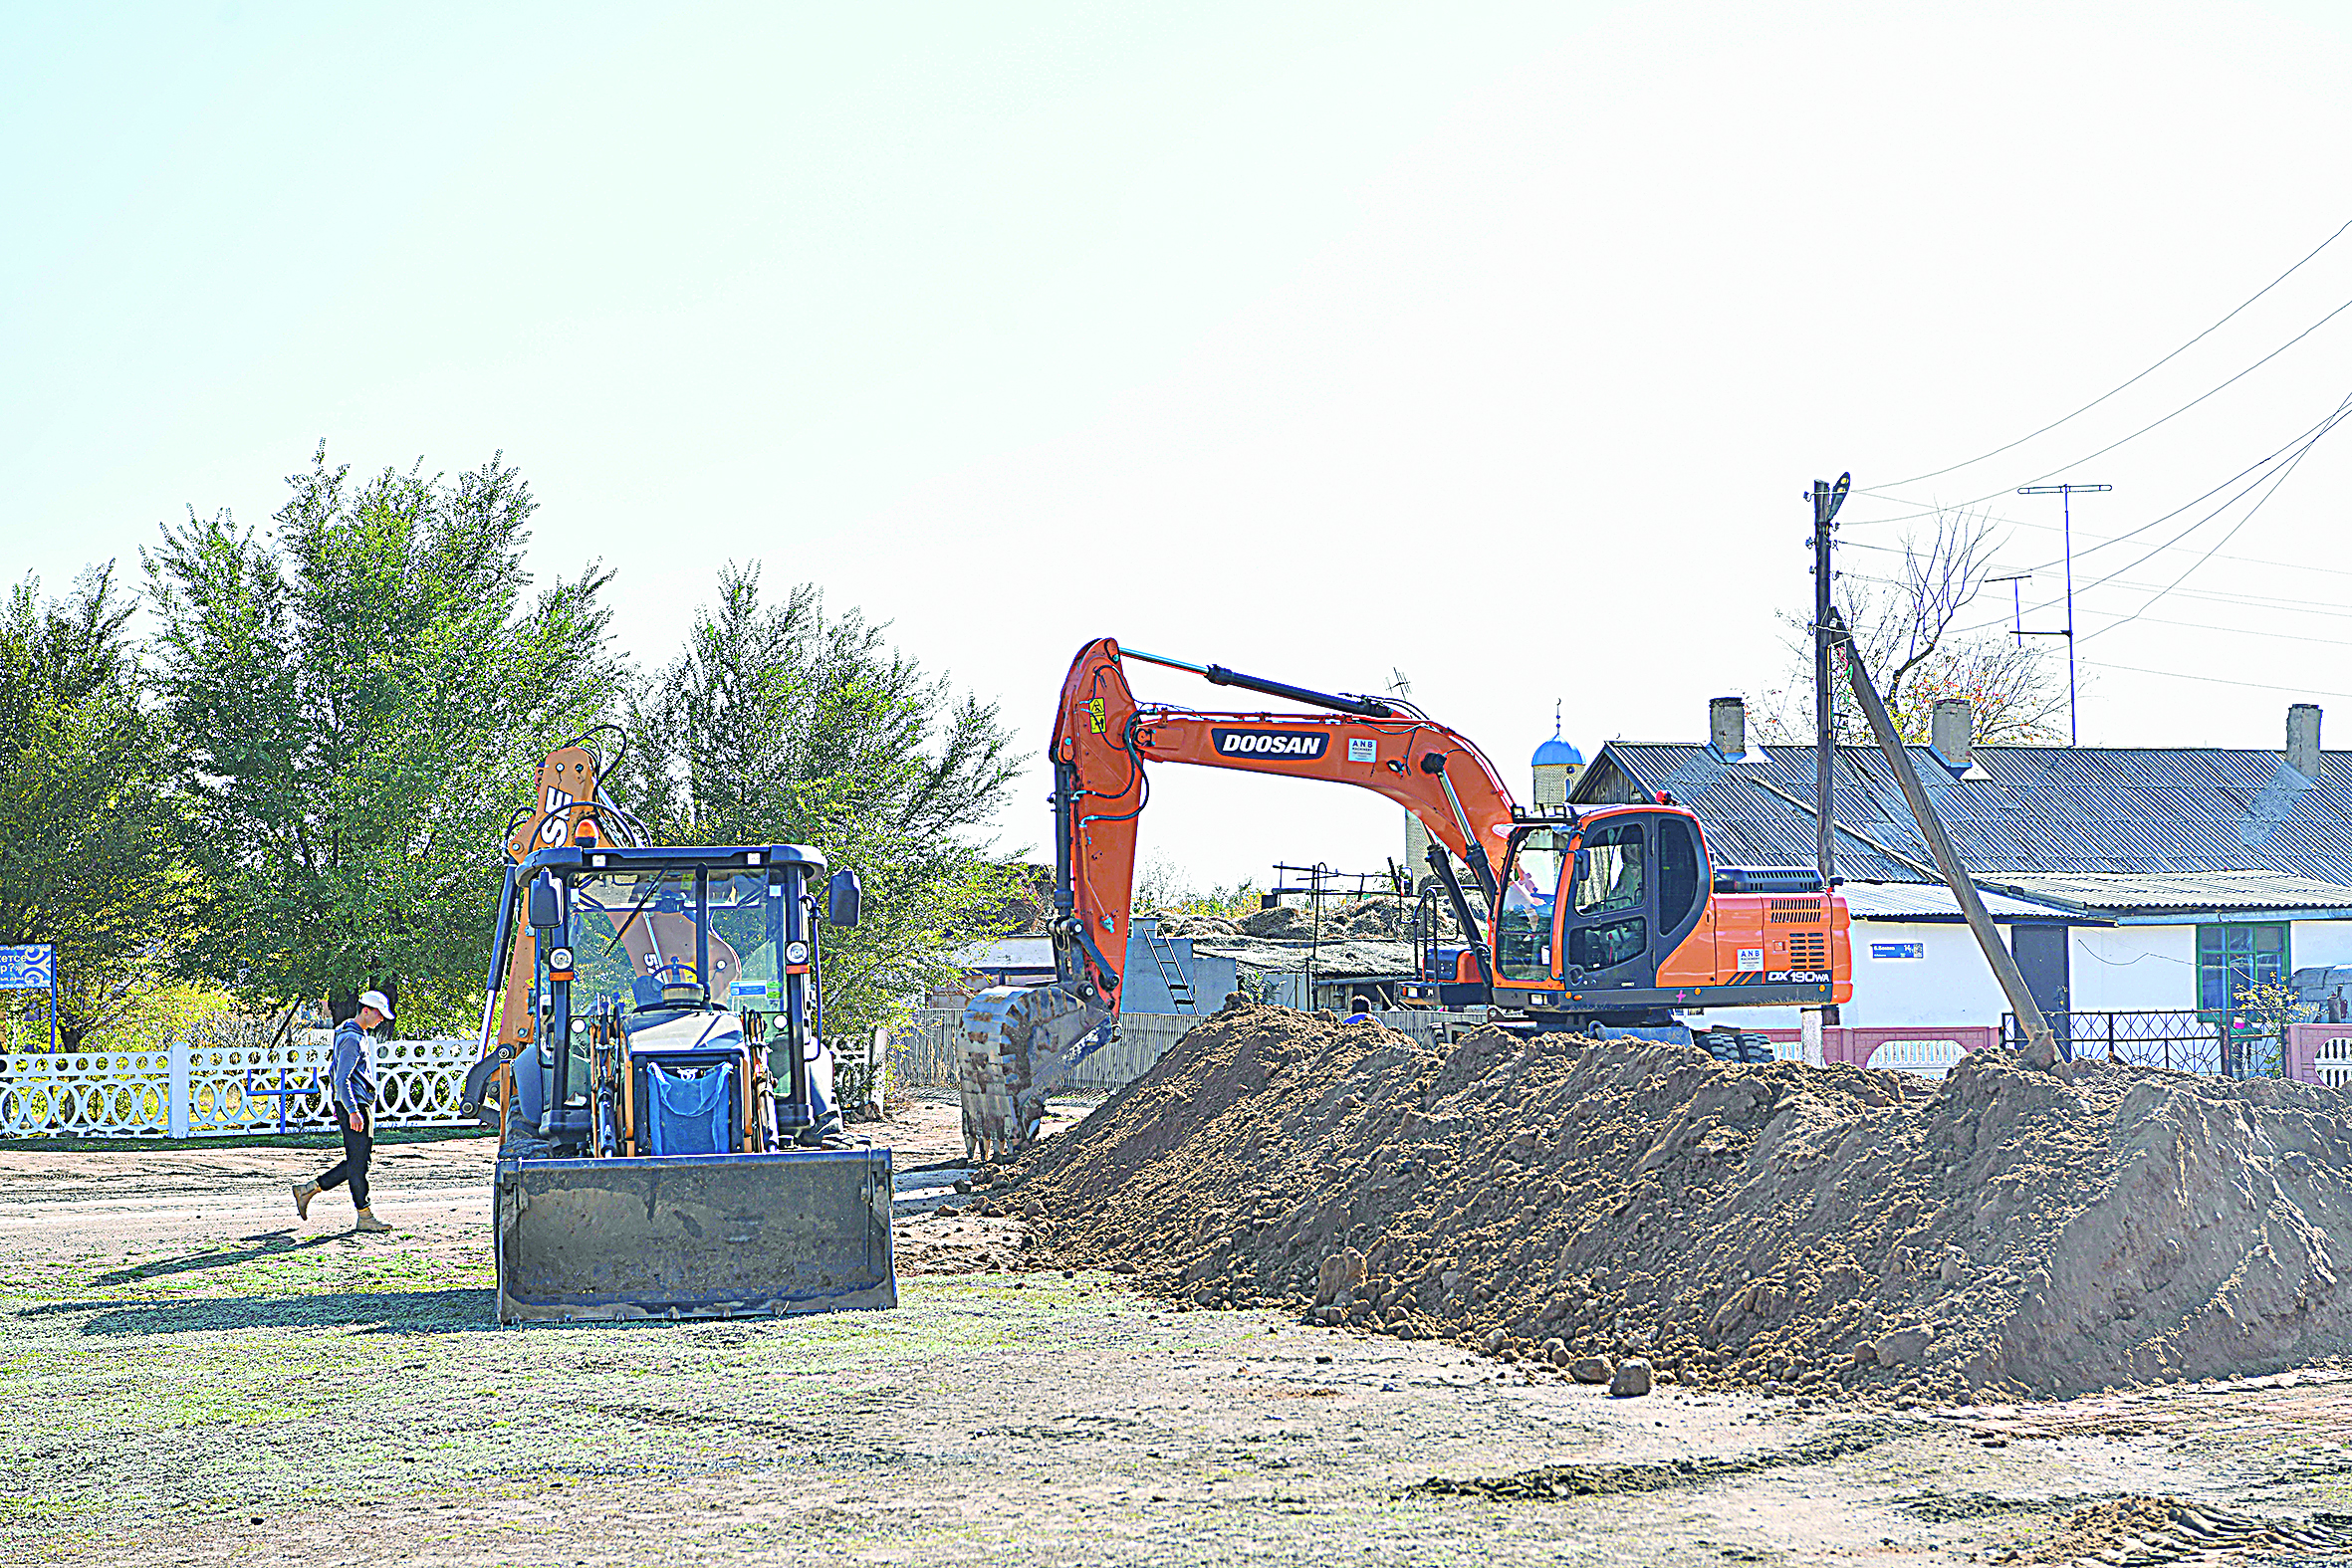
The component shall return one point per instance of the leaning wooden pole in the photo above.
(2042, 1046)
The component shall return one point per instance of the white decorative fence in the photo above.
(210, 1086)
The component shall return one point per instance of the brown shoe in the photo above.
(369, 1221)
(304, 1192)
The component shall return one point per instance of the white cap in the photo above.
(379, 1001)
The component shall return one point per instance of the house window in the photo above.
(2231, 960)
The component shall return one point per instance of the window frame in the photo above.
(2216, 961)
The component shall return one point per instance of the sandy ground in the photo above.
(195, 1375)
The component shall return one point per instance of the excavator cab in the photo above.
(670, 1143)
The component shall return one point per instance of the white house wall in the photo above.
(2316, 941)
(1951, 983)
(2111, 969)
(1947, 983)
(2133, 968)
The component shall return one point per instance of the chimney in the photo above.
(1727, 728)
(1952, 731)
(2302, 739)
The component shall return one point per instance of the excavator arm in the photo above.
(1103, 738)
(1022, 1041)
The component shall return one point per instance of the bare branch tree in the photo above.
(1906, 629)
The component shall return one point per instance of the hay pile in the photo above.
(1820, 1227)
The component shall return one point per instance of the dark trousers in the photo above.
(352, 1166)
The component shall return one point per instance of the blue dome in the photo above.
(1556, 749)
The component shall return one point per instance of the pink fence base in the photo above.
(1914, 1044)
(2320, 1053)
(2315, 1052)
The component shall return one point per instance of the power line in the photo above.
(2238, 631)
(2302, 437)
(2216, 680)
(2275, 471)
(2104, 539)
(2286, 472)
(2144, 374)
(2274, 604)
(2112, 445)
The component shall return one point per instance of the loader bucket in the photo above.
(693, 1236)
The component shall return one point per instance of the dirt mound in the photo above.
(2166, 1529)
(1819, 1227)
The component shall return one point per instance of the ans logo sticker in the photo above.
(1289, 745)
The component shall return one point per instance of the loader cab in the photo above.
(1589, 908)
(675, 1001)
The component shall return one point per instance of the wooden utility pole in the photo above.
(2042, 1046)
(1826, 499)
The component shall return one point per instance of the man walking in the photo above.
(355, 1097)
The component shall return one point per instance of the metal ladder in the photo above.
(1171, 972)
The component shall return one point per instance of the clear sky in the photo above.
(1489, 344)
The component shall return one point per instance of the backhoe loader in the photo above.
(1610, 914)
(652, 1057)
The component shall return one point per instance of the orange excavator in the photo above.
(1610, 914)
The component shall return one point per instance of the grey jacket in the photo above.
(349, 1079)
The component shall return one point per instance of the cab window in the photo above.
(1607, 945)
(1609, 870)
(1678, 871)
(1522, 931)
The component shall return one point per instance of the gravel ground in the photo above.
(195, 1377)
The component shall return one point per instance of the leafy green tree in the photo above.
(356, 706)
(88, 835)
(778, 725)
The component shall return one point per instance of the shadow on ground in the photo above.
(271, 1246)
(377, 1312)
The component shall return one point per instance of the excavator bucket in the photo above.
(1020, 1044)
(693, 1236)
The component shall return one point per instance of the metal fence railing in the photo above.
(2174, 1042)
(228, 1077)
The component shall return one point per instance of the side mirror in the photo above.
(547, 912)
(841, 898)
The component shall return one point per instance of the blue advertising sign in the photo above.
(32, 968)
(1898, 950)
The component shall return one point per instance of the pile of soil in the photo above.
(1822, 1227)
(1344, 920)
(2166, 1529)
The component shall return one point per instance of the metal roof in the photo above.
(2180, 890)
(2017, 811)
(1934, 901)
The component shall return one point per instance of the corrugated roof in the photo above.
(2181, 890)
(2024, 811)
(1934, 901)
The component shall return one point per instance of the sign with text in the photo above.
(32, 968)
(1898, 950)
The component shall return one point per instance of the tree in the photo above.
(777, 724)
(356, 706)
(1905, 628)
(87, 827)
